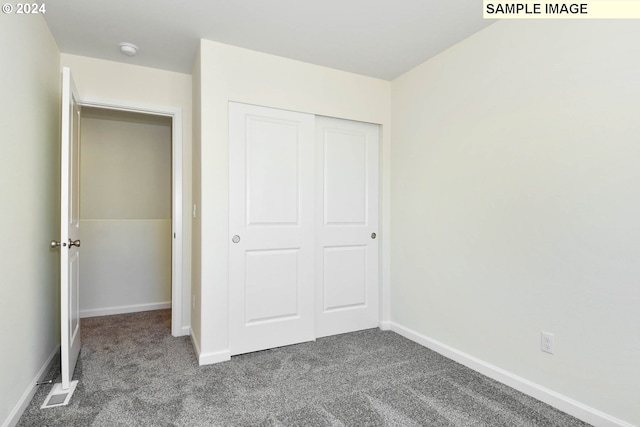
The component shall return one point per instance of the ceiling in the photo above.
(378, 38)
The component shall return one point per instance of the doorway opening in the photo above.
(130, 211)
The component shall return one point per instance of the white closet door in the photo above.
(271, 210)
(347, 224)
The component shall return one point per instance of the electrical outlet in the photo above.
(546, 342)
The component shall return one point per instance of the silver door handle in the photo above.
(373, 235)
(54, 244)
(74, 243)
(235, 239)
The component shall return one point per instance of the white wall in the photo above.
(196, 258)
(124, 83)
(125, 212)
(29, 181)
(227, 73)
(515, 204)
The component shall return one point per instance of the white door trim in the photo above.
(177, 182)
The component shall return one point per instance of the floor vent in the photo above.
(59, 397)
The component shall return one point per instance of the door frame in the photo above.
(175, 114)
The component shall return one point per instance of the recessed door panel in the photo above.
(271, 285)
(345, 177)
(345, 277)
(74, 296)
(272, 148)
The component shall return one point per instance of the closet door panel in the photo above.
(346, 226)
(271, 214)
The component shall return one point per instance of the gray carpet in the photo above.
(133, 373)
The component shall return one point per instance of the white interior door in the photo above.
(69, 229)
(347, 223)
(271, 210)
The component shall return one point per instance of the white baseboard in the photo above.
(550, 397)
(210, 358)
(214, 357)
(185, 330)
(108, 311)
(196, 347)
(384, 325)
(28, 394)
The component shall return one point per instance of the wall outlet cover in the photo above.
(547, 343)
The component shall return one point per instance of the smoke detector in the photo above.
(128, 49)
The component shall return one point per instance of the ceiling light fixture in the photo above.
(128, 49)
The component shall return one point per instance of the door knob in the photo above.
(235, 239)
(74, 243)
(373, 235)
(54, 244)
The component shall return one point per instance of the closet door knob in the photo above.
(373, 235)
(235, 239)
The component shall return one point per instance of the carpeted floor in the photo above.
(133, 373)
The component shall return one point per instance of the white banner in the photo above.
(596, 9)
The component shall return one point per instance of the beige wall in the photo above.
(123, 83)
(125, 212)
(233, 74)
(29, 180)
(515, 204)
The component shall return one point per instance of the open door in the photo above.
(69, 243)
